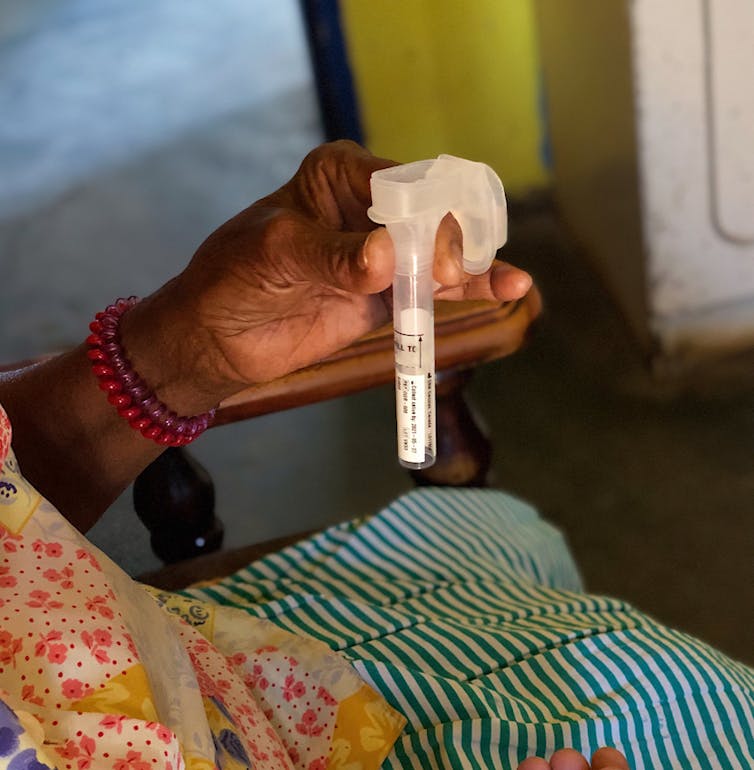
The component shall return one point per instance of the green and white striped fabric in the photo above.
(464, 609)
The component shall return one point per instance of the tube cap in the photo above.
(471, 191)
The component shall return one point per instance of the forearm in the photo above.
(70, 442)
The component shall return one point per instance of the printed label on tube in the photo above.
(430, 414)
(412, 339)
(411, 399)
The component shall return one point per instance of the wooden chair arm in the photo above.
(466, 334)
(174, 496)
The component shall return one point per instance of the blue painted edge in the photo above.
(332, 70)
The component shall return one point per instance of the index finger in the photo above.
(332, 185)
(501, 283)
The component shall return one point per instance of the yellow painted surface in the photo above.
(450, 76)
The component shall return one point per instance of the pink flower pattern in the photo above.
(42, 599)
(132, 761)
(81, 553)
(28, 694)
(10, 646)
(5, 435)
(97, 643)
(63, 577)
(255, 678)
(9, 540)
(99, 604)
(6, 580)
(82, 751)
(67, 638)
(162, 732)
(48, 646)
(324, 695)
(293, 688)
(114, 722)
(308, 724)
(75, 689)
(53, 550)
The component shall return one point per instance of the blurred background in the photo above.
(622, 130)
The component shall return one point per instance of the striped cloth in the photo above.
(465, 610)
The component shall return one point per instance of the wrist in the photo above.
(172, 353)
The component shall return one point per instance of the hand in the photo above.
(285, 283)
(606, 758)
(303, 272)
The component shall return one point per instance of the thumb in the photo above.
(361, 263)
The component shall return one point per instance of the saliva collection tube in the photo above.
(411, 200)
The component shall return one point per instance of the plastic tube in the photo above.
(414, 342)
(411, 200)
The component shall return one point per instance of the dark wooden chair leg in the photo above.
(175, 499)
(464, 453)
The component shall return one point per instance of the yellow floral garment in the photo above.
(97, 671)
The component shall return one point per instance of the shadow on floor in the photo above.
(652, 482)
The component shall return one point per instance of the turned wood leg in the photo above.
(175, 499)
(464, 453)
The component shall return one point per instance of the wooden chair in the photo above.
(174, 496)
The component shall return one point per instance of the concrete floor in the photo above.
(652, 483)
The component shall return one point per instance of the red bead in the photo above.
(120, 400)
(103, 370)
(110, 386)
(132, 398)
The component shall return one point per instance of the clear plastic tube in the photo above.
(414, 340)
(410, 200)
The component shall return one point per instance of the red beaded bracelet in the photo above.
(127, 392)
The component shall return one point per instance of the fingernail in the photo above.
(457, 249)
(363, 259)
(524, 281)
(454, 265)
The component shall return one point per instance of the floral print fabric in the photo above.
(97, 671)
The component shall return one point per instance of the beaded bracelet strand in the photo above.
(134, 400)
